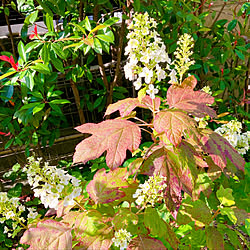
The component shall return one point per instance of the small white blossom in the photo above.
(151, 191)
(207, 90)
(152, 91)
(137, 84)
(122, 238)
(32, 213)
(68, 200)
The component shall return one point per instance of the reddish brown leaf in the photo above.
(193, 102)
(108, 187)
(189, 83)
(175, 124)
(48, 234)
(126, 106)
(173, 196)
(114, 136)
(143, 242)
(220, 150)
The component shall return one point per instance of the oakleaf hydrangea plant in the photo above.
(163, 197)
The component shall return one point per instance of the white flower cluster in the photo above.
(12, 209)
(51, 184)
(122, 238)
(151, 191)
(232, 132)
(182, 60)
(146, 52)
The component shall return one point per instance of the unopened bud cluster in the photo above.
(152, 191)
(146, 52)
(51, 184)
(232, 132)
(122, 238)
(182, 60)
(11, 209)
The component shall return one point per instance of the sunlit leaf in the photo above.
(113, 136)
(175, 124)
(48, 234)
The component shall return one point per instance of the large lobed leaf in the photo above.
(90, 229)
(48, 234)
(185, 98)
(108, 187)
(221, 150)
(126, 106)
(175, 124)
(114, 136)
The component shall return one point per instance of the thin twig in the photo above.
(10, 32)
(216, 19)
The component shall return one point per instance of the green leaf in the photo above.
(111, 21)
(29, 105)
(230, 214)
(87, 24)
(79, 27)
(29, 80)
(38, 108)
(30, 19)
(24, 32)
(45, 7)
(225, 196)
(58, 49)
(16, 191)
(21, 51)
(105, 38)
(196, 211)
(98, 27)
(59, 101)
(239, 54)
(58, 64)
(49, 22)
(35, 138)
(137, 5)
(30, 46)
(172, 48)
(158, 227)
(232, 25)
(45, 53)
(6, 11)
(102, 1)
(126, 219)
(8, 144)
(98, 101)
(41, 68)
(97, 46)
(247, 226)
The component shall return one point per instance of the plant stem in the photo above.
(10, 32)
(79, 205)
